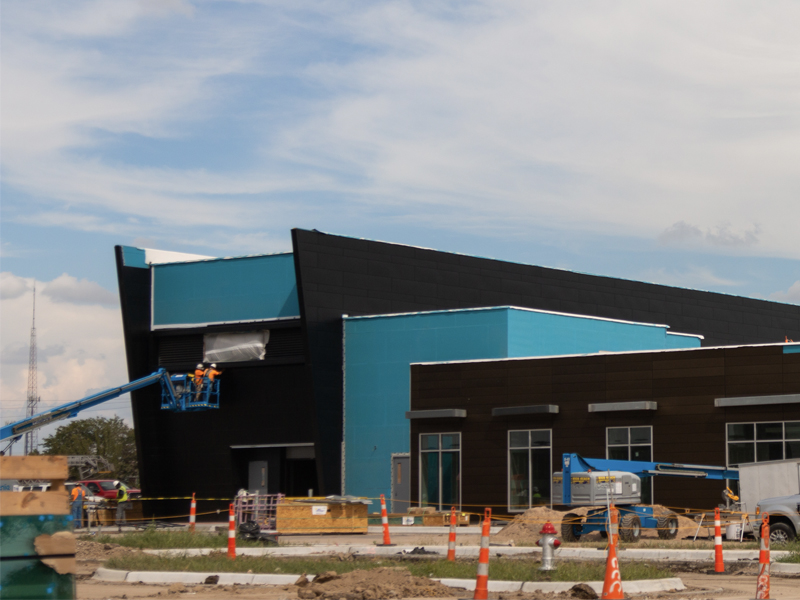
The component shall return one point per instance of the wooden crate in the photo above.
(297, 517)
(37, 546)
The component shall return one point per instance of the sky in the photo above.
(652, 141)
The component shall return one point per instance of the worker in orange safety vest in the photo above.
(76, 496)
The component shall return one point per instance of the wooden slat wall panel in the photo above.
(686, 427)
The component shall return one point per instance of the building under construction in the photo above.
(316, 347)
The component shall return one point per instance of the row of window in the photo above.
(530, 458)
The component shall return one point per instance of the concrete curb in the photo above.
(651, 554)
(784, 567)
(634, 587)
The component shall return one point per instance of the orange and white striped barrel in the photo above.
(482, 581)
(451, 543)
(719, 565)
(387, 539)
(192, 513)
(762, 584)
(231, 533)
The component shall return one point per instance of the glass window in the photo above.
(632, 443)
(529, 468)
(769, 431)
(641, 435)
(518, 439)
(792, 430)
(440, 470)
(740, 432)
(757, 442)
(617, 435)
(430, 442)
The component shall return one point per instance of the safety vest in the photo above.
(122, 493)
(77, 491)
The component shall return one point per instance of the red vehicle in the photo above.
(105, 488)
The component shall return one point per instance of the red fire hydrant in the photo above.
(548, 542)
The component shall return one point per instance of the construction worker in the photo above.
(212, 372)
(199, 377)
(122, 503)
(77, 495)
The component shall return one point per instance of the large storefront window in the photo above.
(529, 468)
(632, 443)
(440, 470)
(758, 442)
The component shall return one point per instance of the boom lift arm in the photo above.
(187, 398)
(574, 463)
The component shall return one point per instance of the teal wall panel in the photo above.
(379, 350)
(251, 288)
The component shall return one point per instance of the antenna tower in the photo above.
(32, 405)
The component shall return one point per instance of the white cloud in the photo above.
(700, 278)
(12, 286)
(81, 346)
(623, 120)
(791, 296)
(66, 288)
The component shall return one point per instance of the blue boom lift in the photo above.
(595, 482)
(178, 394)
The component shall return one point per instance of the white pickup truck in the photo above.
(784, 517)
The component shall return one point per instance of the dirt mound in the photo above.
(87, 550)
(525, 528)
(372, 585)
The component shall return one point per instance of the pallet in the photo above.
(37, 546)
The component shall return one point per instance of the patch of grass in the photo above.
(155, 539)
(794, 551)
(499, 569)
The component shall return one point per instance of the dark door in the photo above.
(257, 477)
(401, 483)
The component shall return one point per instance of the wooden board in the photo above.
(34, 503)
(339, 518)
(34, 467)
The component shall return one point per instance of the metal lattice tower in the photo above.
(32, 405)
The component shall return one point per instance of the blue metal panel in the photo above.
(134, 257)
(251, 288)
(379, 350)
(794, 349)
(533, 333)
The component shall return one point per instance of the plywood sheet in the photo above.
(34, 467)
(34, 503)
(339, 518)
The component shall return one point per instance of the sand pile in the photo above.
(525, 528)
(86, 550)
(373, 584)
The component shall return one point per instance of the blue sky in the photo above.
(651, 141)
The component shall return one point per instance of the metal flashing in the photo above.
(600, 353)
(531, 409)
(443, 413)
(620, 406)
(521, 309)
(246, 446)
(757, 400)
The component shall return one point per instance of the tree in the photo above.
(110, 438)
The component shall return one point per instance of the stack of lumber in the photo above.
(37, 547)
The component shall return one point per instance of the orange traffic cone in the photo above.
(482, 581)
(387, 539)
(719, 565)
(762, 584)
(192, 513)
(231, 533)
(612, 586)
(451, 544)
